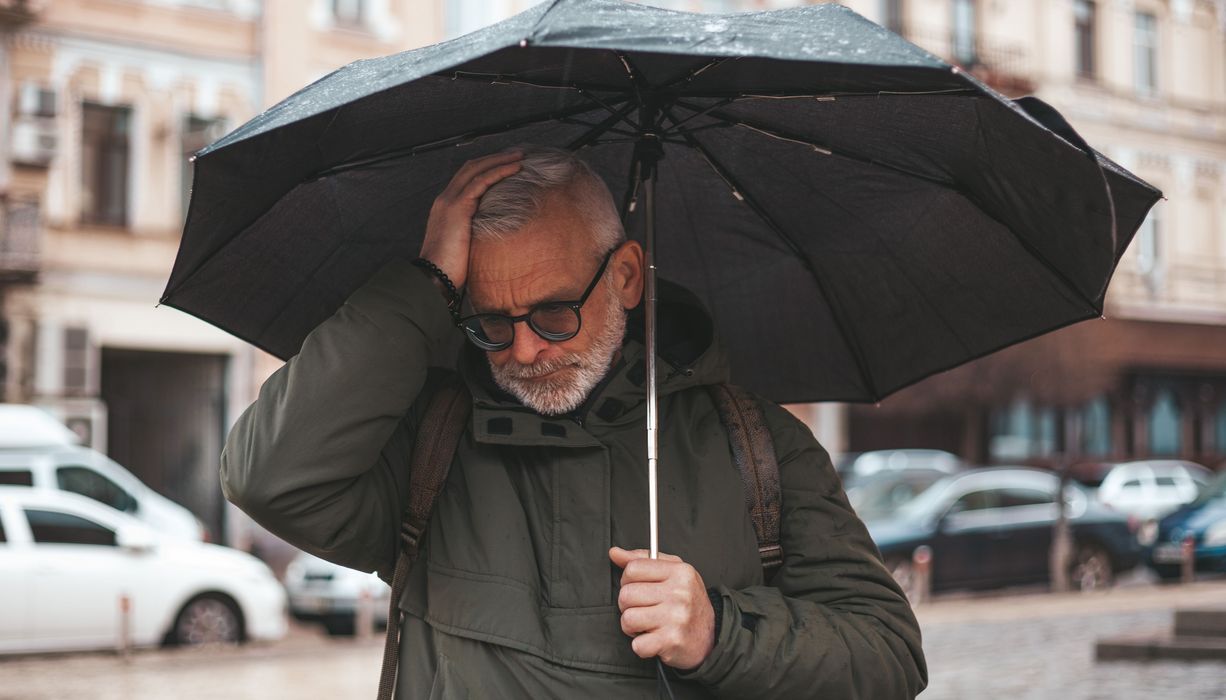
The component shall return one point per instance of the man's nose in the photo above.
(527, 345)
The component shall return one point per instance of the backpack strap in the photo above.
(753, 449)
(438, 435)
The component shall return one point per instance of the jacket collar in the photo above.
(688, 356)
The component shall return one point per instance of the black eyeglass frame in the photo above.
(574, 306)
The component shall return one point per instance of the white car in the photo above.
(36, 450)
(320, 591)
(69, 564)
(1152, 488)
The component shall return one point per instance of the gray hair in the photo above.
(511, 203)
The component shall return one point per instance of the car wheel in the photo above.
(903, 572)
(1091, 568)
(207, 619)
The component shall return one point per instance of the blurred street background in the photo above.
(102, 103)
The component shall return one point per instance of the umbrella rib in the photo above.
(456, 140)
(604, 126)
(392, 155)
(590, 125)
(820, 148)
(826, 150)
(703, 112)
(824, 96)
(507, 79)
(690, 75)
(739, 192)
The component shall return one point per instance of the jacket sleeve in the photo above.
(319, 458)
(833, 624)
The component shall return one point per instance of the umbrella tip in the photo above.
(523, 43)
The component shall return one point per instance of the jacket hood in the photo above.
(688, 355)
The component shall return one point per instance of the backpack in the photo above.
(439, 433)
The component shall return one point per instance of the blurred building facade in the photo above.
(103, 101)
(1144, 81)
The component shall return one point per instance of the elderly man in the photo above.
(532, 581)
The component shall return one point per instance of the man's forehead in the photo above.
(505, 276)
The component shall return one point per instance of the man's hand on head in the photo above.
(449, 229)
(665, 608)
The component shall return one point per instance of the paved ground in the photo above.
(1041, 646)
(1003, 647)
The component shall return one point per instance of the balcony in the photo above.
(1005, 67)
(20, 238)
(17, 13)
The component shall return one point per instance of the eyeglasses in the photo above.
(554, 321)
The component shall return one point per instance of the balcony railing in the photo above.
(1005, 67)
(20, 239)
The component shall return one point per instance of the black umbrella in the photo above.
(856, 214)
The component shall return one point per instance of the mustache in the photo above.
(516, 370)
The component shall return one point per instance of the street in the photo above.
(1018, 646)
(1041, 646)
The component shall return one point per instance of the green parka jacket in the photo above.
(514, 595)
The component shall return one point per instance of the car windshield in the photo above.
(880, 495)
(927, 502)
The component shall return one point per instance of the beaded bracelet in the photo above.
(453, 295)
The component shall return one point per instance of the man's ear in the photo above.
(628, 268)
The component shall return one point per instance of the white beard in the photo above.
(578, 375)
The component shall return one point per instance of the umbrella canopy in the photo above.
(856, 214)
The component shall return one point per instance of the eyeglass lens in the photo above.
(550, 321)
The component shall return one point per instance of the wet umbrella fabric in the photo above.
(856, 214)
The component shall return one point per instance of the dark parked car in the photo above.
(1205, 520)
(993, 527)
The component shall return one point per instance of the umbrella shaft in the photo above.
(649, 213)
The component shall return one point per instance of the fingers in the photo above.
(638, 595)
(650, 645)
(477, 167)
(449, 226)
(636, 621)
(484, 180)
(621, 557)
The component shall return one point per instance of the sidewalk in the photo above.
(1006, 608)
(1014, 647)
(1040, 646)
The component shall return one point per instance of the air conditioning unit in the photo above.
(35, 100)
(34, 141)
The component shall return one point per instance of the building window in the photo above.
(349, 12)
(1164, 428)
(1220, 429)
(1083, 37)
(1096, 428)
(1145, 53)
(198, 132)
(964, 40)
(890, 12)
(1012, 432)
(104, 164)
(1149, 250)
